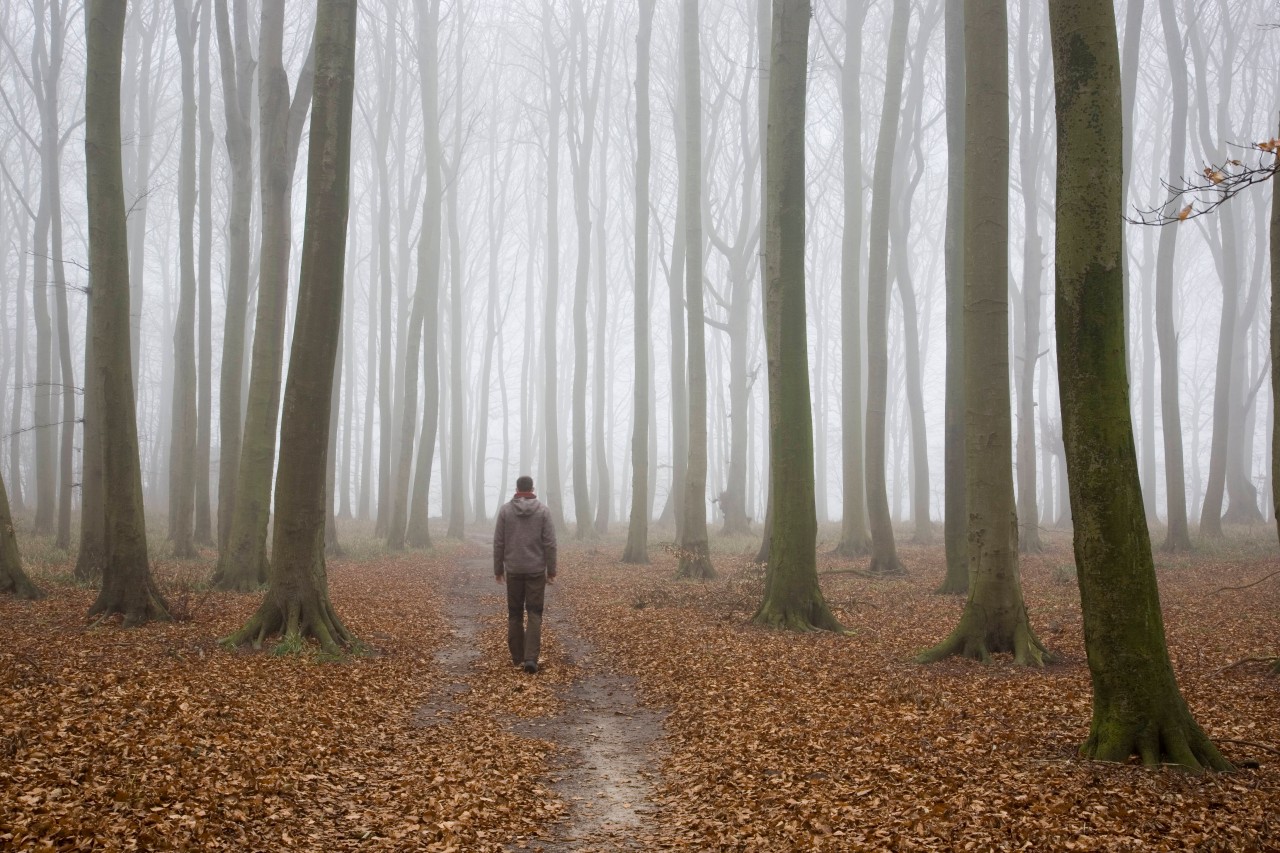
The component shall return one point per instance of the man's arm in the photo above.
(549, 544)
(499, 546)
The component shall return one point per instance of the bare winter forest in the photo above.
(897, 376)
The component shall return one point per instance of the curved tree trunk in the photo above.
(127, 585)
(297, 603)
(1137, 707)
(1178, 536)
(792, 597)
(884, 552)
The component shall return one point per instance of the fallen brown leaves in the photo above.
(157, 738)
(823, 742)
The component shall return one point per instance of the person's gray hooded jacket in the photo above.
(524, 538)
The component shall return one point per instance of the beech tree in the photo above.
(127, 585)
(297, 603)
(1137, 706)
(792, 597)
(241, 562)
(637, 548)
(995, 617)
(13, 579)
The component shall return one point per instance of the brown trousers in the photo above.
(525, 593)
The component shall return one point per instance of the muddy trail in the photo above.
(605, 743)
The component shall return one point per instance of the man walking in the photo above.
(524, 556)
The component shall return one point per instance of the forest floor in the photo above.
(661, 718)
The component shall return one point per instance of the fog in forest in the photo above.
(524, 321)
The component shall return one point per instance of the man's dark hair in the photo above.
(524, 484)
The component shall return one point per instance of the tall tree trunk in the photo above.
(297, 603)
(242, 562)
(418, 532)
(884, 557)
(1029, 169)
(13, 580)
(1137, 707)
(457, 480)
(203, 530)
(603, 367)
(551, 488)
(695, 557)
(237, 78)
(19, 369)
(855, 540)
(1178, 536)
(1274, 236)
(955, 519)
(182, 440)
(389, 445)
(995, 616)
(127, 585)
(637, 548)
(792, 598)
(764, 47)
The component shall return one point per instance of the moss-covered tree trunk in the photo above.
(884, 551)
(855, 538)
(954, 519)
(182, 436)
(242, 563)
(792, 598)
(12, 577)
(695, 556)
(637, 548)
(297, 602)
(995, 617)
(1137, 706)
(127, 585)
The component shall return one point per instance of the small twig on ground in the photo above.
(1246, 586)
(1272, 659)
(862, 573)
(1266, 746)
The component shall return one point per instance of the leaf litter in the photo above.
(158, 738)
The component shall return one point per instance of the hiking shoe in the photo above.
(530, 666)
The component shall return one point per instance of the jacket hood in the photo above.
(525, 506)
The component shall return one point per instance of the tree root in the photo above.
(852, 549)
(973, 639)
(296, 622)
(804, 618)
(1174, 739)
(890, 568)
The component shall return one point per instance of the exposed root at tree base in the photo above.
(972, 640)
(851, 549)
(1174, 740)
(296, 624)
(815, 617)
(886, 568)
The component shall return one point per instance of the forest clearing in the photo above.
(746, 738)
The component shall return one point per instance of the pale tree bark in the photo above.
(1137, 706)
(1274, 236)
(1178, 536)
(584, 97)
(20, 355)
(242, 562)
(552, 491)
(884, 553)
(764, 47)
(792, 597)
(237, 81)
(457, 480)
(297, 604)
(1029, 140)
(955, 522)
(995, 617)
(182, 438)
(389, 446)
(203, 530)
(418, 531)
(695, 557)
(637, 548)
(127, 585)
(601, 393)
(855, 539)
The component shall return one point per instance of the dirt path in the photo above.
(605, 742)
